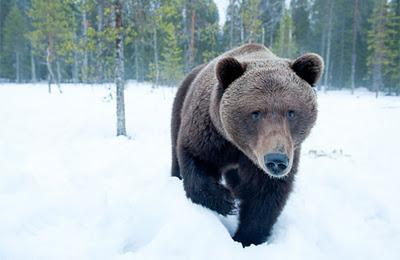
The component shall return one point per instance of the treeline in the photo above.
(358, 39)
(73, 40)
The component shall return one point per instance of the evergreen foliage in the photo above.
(285, 43)
(378, 40)
(15, 42)
(164, 39)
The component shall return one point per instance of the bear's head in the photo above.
(267, 108)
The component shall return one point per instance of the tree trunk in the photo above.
(186, 36)
(58, 66)
(323, 43)
(99, 60)
(49, 69)
(356, 14)
(282, 34)
(231, 27)
(156, 55)
(192, 36)
(49, 79)
(241, 31)
(328, 47)
(263, 35)
(377, 77)
(119, 70)
(341, 66)
(85, 39)
(17, 67)
(75, 65)
(271, 40)
(136, 61)
(251, 30)
(75, 68)
(49, 59)
(33, 67)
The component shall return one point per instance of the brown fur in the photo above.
(176, 118)
(212, 128)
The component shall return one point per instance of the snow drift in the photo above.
(70, 189)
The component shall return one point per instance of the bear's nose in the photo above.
(276, 163)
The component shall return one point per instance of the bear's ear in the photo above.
(228, 69)
(308, 67)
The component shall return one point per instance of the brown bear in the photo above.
(243, 116)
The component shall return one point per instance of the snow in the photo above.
(70, 189)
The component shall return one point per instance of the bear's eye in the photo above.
(256, 115)
(290, 114)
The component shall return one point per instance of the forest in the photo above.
(73, 41)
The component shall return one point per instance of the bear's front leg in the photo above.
(201, 187)
(257, 216)
(262, 199)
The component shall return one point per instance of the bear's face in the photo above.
(268, 112)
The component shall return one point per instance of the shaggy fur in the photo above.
(215, 132)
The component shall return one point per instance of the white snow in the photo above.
(70, 189)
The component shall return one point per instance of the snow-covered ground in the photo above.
(70, 189)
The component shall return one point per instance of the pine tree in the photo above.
(154, 66)
(393, 68)
(328, 42)
(52, 36)
(15, 43)
(231, 36)
(356, 27)
(171, 64)
(301, 20)
(251, 24)
(154, 70)
(378, 38)
(200, 31)
(192, 17)
(271, 12)
(207, 32)
(285, 45)
(5, 6)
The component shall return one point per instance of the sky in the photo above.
(223, 4)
